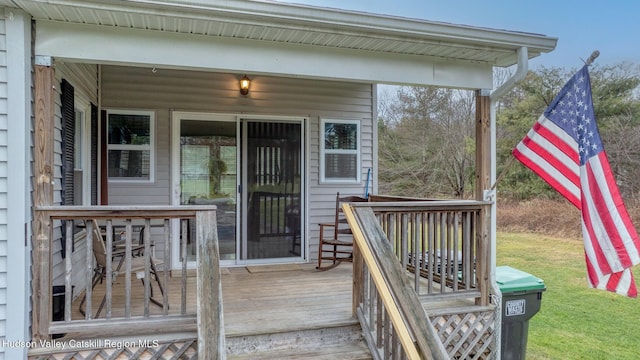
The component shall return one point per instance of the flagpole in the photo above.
(594, 55)
(503, 173)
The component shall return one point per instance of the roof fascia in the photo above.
(85, 43)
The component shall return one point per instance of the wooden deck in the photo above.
(277, 303)
(267, 299)
(257, 299)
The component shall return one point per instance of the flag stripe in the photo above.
(592, 274)
(547, 150)
(559, 139)
(554, 178)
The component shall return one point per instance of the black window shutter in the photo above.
(94, 155)
(68, 138)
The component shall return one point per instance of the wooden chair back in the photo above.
(341, 226)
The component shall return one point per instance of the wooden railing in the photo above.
(393, 320)
(442, 242)
(126, 311)
(408, 250)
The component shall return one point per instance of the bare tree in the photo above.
(426, 142)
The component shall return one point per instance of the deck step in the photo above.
(339, 342)
(332, 352)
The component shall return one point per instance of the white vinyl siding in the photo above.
(164, 91)
(16, 129)
(3, 181)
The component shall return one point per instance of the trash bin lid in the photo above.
(511, 280)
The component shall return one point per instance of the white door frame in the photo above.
(176, 117)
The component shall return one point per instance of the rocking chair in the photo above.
(336, 246)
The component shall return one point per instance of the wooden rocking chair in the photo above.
(336, 245)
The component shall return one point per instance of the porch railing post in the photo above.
(42, 195)
(358, 279)
(211, 343)
(483, 255)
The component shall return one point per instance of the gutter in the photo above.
(521, 71)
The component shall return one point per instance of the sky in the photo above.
(612, 27)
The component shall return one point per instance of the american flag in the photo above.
(565, 149)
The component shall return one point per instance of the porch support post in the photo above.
(42, 196)
(211, 343)
(483, 168)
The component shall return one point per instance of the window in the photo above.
(82, 160)
(339, 151)
(130, 150)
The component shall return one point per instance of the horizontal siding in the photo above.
(3, 180)
(164, 91)
(83, 77)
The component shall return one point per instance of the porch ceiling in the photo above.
(273, 22)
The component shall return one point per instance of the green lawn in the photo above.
(575, 322)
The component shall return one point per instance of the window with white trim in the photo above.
(339, 151)
(130, 150)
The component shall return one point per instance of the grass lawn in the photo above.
(575, 322)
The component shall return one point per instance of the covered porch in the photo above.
(306, 129)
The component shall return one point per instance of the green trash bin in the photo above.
(521, 298)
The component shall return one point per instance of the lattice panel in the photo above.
(467, 335)
(179, 350)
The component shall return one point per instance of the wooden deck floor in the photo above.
(257, 299)
(271, 299)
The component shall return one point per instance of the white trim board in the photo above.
(85, 43)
